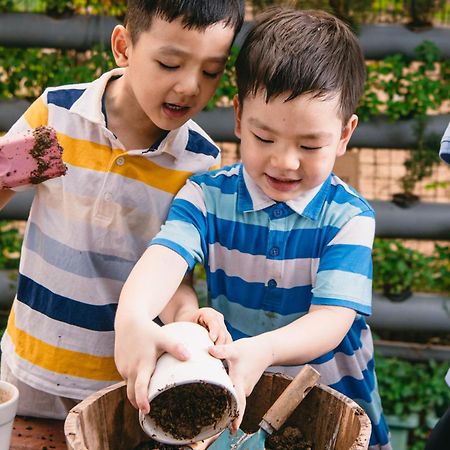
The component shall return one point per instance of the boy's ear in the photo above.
(120, 43)
(237, 116)
(347, 132)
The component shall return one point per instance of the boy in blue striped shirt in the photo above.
(285, 243)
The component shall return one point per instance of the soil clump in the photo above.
(185, 410)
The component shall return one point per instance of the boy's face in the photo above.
(290, 147)
(172, 72)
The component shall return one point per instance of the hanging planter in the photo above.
(405, 199)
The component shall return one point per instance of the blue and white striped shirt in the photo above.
(445, 146)
(268, 262)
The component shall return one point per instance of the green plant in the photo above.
(200, 285)
(413, 388)
(25, 73)
(63, 7)
(399, 270)
(403, 87)
(10, 245)
(422, 158)
(421, 12)
(441, 268)
(227, 88)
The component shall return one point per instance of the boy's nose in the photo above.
(188, 86)
(286, 160)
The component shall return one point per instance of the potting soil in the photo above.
(185, 410)
(289, 438)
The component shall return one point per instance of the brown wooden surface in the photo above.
(107, 421)
(291, 397)
(38, 434)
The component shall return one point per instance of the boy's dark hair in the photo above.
(195, 14)
(296, 52)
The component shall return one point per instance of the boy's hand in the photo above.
(136, 353)
(247, 360)
(214, 322)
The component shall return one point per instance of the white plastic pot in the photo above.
(9, 396)
(200, 368)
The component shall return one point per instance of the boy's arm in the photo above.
(139, 340)
(5, 196)
(342, 288)
(303, 340)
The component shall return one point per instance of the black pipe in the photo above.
(81, 32)
(38, 30)
(420, 221)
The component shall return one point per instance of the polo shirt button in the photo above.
(272, 283)
(107, 196)
(274, 251)
(277, 212)
(120, 161)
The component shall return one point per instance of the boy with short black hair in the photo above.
(129, 145)
(285, 243)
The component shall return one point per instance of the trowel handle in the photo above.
(290, 398)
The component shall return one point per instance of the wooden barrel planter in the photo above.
(330, 420)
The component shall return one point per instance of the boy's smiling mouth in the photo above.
(283, 184)
(174, 110)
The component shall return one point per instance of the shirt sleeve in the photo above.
(344, 274)
(445, 146)
(185, 228)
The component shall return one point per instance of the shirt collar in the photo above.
(252, 198)
(89, 106)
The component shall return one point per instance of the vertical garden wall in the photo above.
(405, 107)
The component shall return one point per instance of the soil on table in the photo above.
(185, 410)
(288, 438)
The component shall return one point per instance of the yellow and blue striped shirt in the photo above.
(85, 232)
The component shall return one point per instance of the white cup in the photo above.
(9, 397)
(200, 368)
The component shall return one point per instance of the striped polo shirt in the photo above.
(268, 262)
(85, 232)
(445, 146)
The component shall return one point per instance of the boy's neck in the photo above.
(126, 119)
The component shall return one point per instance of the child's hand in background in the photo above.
(214, 322)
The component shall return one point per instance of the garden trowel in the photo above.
(274, 418)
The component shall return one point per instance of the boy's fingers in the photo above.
(141, 389)
(224, 338)
(223, 352)
(176, 349)
(241, 405)
(130, 392)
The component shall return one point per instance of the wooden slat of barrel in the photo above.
(106, 420)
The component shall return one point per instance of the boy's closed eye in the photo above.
(305, 147)
(172, 67)
(168, 66)
(212, 74)
(265, 141)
